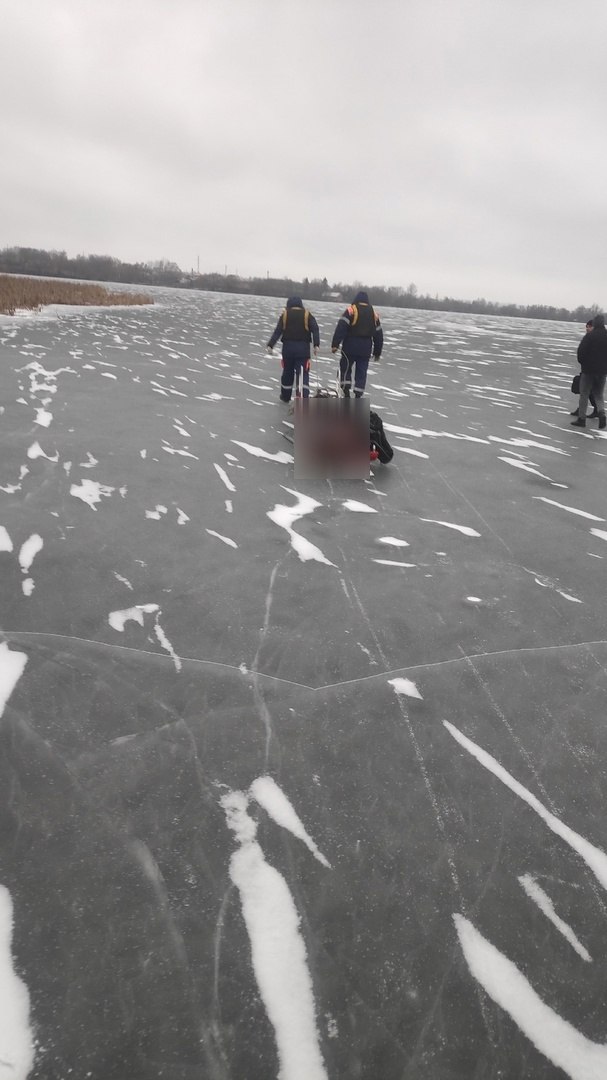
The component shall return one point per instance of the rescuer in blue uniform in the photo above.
(359, 334)
(298, 328)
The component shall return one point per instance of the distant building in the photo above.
(332, 296)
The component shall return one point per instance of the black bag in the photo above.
(575, 384)
(378, 440)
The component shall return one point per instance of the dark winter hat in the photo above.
(361, 298)
(294, 301)
(599, 320)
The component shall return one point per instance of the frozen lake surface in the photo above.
(298, 780)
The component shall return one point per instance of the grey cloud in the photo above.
(456, 145)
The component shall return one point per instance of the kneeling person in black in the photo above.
(297, 328)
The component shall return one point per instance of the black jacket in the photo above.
(592, 352)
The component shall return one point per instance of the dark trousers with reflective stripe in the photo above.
(294, 371)
(357, 364)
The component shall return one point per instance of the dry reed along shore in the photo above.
(17, 293)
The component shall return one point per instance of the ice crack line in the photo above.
(24, 635)
(259, 699)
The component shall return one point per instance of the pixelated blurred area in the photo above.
(331, 438)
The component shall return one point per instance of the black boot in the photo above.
(593, 415)
(576, 412)
(602, 420)
(580, 422)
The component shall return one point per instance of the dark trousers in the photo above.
(359, 365)
(294, 371)
(591, 384)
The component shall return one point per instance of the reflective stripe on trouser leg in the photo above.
(360, 377)
(305, 378)
(287, 379)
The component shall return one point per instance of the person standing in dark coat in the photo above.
(297, 328)
(576, 412)
(592, 355)
(359, 334)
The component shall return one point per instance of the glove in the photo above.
(334, 348)
(270, 349)
(375, 359)
(316, 350)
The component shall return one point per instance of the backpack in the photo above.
(378, 440)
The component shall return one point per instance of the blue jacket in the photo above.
(353, 346)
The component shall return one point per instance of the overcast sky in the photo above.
(457, 144)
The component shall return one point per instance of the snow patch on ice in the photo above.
(226, 539)
(358, 507)
(526, 468)
(12, 665)
(594, 858)
(90, 462)
(36, 451)
(465, 529)
(405, 686)
(409, 450)
(118, 619)
(182, 517)
(600, 533)
(6, 544)
(125, 581)
(286, 516)
(554, 1037)
(543, 901)
(16, 1036)
(268, 794)
(277, 948)
(182, 453)
(43, 418)
(224, 477)
(156, 514)
(570, 509)
(280, 455)
(91, 491)
(393, 562)
(29, 550)
(166, 644)
(393, 541)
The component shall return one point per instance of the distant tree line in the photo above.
(32, 261)
(20, 260)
